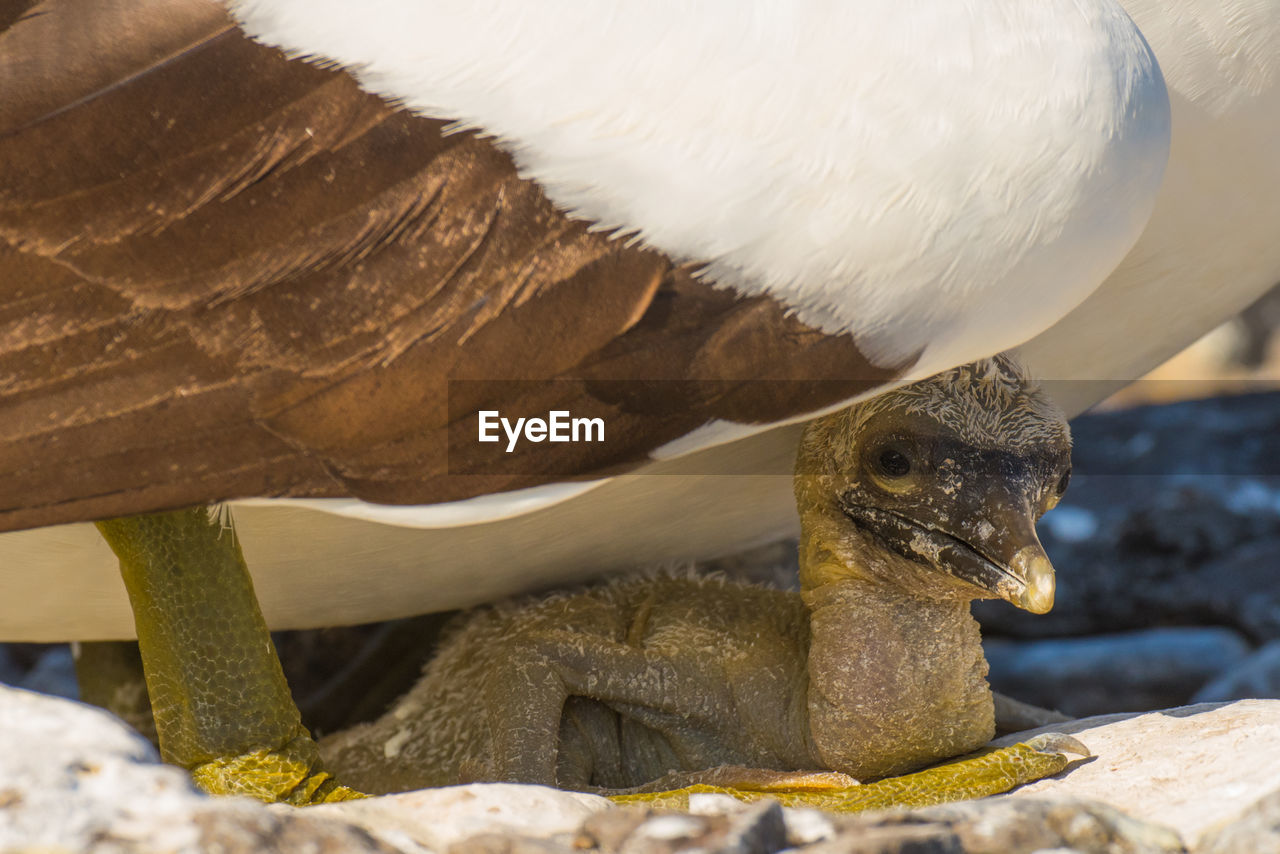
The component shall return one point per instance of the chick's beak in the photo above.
(1032, 564)
(989, 542)
(997, 550)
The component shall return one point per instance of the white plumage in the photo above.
(1211, 246)
(928, 175)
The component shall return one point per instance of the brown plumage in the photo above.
(226, 273)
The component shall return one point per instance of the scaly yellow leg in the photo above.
(987, 773)
(222, 707)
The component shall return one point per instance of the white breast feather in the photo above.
(929, 175)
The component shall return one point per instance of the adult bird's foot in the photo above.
(989, 772)
(290, 774)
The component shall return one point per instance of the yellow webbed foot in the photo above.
(290, 774)
(989, 772)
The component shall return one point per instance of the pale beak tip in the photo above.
(1033, 565)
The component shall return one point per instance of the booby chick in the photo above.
(912, 504)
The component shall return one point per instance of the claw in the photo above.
(1057, 742)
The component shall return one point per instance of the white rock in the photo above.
(713, 803)
(70, 773)
(54, 673)
(1185, 768)
(669, 828)
(436, 818)
(806, 826)
(73, 777)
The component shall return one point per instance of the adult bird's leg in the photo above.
(989, 772)
(222, 707)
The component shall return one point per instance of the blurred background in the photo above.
(1167, 547)
(1167, 544)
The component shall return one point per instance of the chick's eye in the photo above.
(1063, 481)
(893, 463)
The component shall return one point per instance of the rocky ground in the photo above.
(1168, 552)
(1202, 779)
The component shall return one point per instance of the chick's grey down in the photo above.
(912, 504)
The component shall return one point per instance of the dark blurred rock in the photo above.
(1131, 672)
(1256, 676)
(1162, 554)
(54, 673)
(44, 667)
(19, 659)
(10, 672)
(1254, 831)
(758, 829)
(1230, 435)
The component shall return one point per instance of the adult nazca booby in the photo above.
(233, 275)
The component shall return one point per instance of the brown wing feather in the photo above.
(226, 273)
